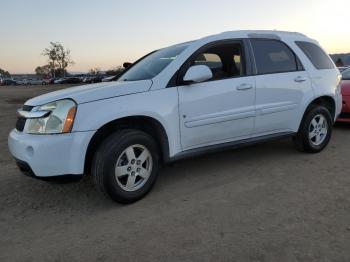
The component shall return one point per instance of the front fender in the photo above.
(161, 105)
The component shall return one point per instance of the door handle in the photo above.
(300, 79)
(244, 87)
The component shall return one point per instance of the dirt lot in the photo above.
(261, 203)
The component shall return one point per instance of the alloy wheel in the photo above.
(133, 167)
(318, 130)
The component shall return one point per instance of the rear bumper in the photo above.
(50, 155)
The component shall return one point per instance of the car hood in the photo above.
(93, 92)
(345, 87)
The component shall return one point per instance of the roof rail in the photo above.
(274, 34)
(264, 35)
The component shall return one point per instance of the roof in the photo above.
(272, 34)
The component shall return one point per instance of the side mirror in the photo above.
(197, 74)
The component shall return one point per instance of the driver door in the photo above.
(221, 109)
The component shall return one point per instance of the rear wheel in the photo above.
(125, 166)
(315, 130)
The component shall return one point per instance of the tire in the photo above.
(118, 174)
(315, 130)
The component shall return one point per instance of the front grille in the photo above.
(21, 121)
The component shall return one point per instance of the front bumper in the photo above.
(50, 155)
(345, 113)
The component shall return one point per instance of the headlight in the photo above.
(58, 119)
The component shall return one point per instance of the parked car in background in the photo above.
(19, 81)
(93, 79)
(345, 91)
(109, 78)
(68, 80)
(32, 81)
(342, 68)
(71, 80)
(58, 80)
(47, 81)
(8, 82)
(87, 79)
(220, 91)
(115, 77)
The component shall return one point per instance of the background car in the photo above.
(70, 80)
(58, 80)
(109, 78)
(32, 81)
(47, 81)
(114, 77)
(342, 68)
(8, 82)
(93, 79)
(87, 79)
(345, 90)
(19, 81)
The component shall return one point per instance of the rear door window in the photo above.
(273, 56)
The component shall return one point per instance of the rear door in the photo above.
(281, 85)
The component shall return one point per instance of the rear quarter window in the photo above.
(316, 55)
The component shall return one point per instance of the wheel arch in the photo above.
(326, 101)
(146, 124)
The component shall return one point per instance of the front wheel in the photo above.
(315, 130)
(125, 166)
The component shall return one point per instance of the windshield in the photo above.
(153, 64)
(346, 74)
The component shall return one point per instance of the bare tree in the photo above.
(59, 57)
(4, 73)
(44, 70)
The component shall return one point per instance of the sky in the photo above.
(105, 33)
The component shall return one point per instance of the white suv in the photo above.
(219, 91)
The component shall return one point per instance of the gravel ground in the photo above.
(266, 202)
